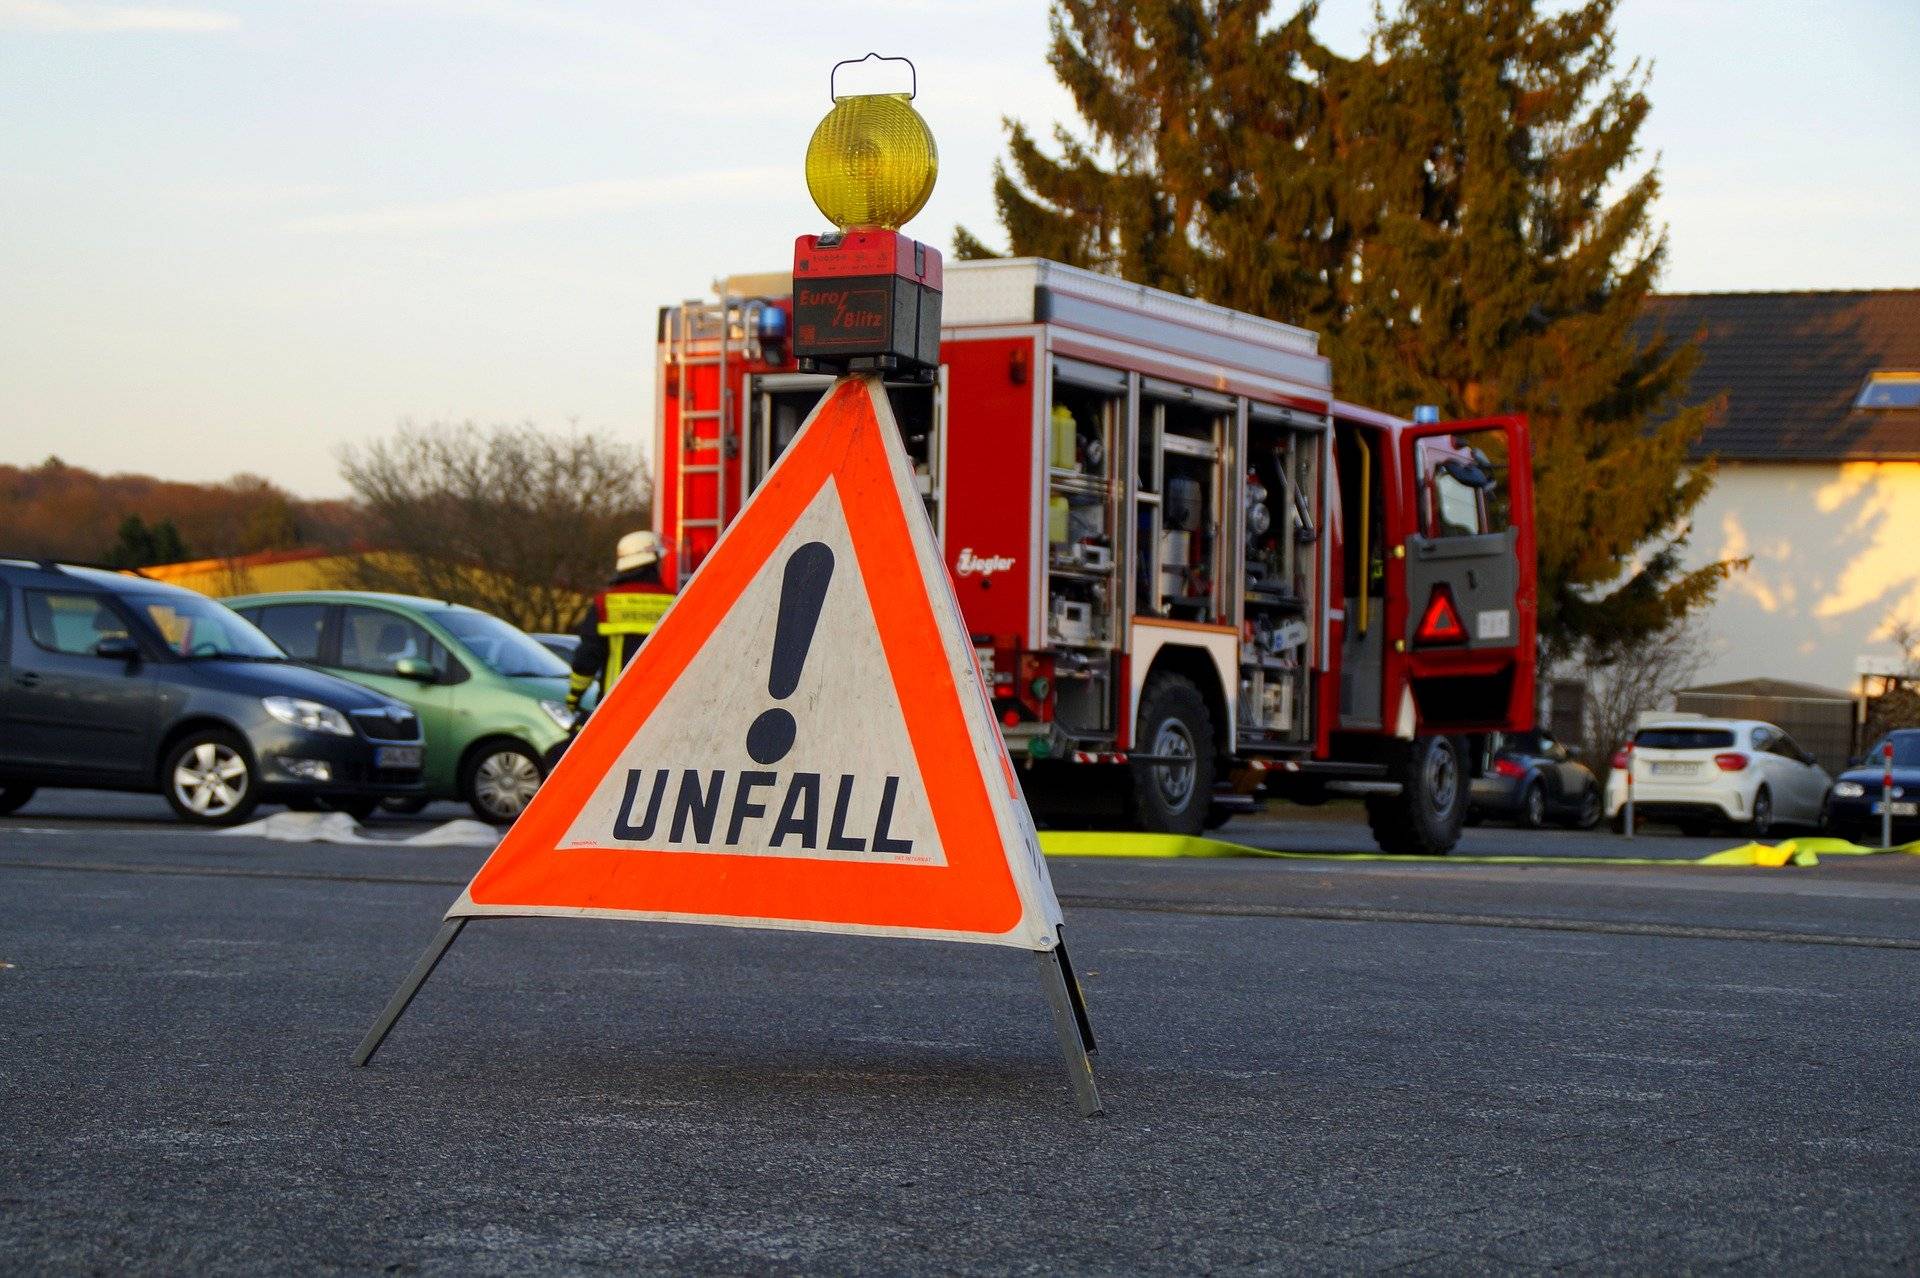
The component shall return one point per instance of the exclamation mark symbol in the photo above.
(803, 589)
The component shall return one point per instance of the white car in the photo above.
(1700, 773)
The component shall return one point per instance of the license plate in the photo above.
(396, 757)
(1899, 809)
(1673, 769)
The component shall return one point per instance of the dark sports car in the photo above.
(1853, 805)
(1532, 779)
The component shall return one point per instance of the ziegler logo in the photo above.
(970, 564)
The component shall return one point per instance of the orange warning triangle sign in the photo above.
(804, 741)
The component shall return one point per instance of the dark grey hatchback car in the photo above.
(112, 681)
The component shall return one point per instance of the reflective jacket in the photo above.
(621, 618)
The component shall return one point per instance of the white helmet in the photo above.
(636, 550)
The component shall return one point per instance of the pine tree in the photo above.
(1206, 172)
(168, 548)
(1492, 273)
(1437, 209)
(140, 545)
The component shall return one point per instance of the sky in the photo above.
(236, 235)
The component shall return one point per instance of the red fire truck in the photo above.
(1194, 577)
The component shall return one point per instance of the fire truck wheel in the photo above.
(1424, 819)
(1173, 797)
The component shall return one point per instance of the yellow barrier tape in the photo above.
(1125, 844)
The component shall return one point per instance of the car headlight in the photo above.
(310, 715)
(1848, 790)
(562, 717)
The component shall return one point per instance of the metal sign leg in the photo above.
(408, 988)
(1070, 1027)
(1080, 1016)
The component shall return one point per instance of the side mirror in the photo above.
(415, 669)
(1468, 473)
(117, 648)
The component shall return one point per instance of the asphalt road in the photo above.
(1308, 1065)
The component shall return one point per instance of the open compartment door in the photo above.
(1470, 574)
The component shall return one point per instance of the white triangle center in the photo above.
(849, 789)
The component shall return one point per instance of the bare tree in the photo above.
(1897, 704)
(1625, 681)
(512, 520)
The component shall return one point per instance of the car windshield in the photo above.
(1683, 738)
(498, 646)
(200, 628)
(1906, 750)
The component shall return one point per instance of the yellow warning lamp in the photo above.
(872, 161)
(866, 299)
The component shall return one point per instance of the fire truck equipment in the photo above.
(1064, 438)
(1072, 621)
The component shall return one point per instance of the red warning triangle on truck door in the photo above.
(804, 741)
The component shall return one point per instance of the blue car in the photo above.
(1853, 805)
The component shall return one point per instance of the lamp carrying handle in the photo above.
(913, 74)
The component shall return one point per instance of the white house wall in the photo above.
(1836, 558)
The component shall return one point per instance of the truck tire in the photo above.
(1172, 798)
(1424, 819)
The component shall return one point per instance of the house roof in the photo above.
(1791, 365)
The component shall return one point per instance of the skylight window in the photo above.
(1887, 389)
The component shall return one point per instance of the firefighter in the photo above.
(621, 617)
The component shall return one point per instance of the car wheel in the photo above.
(208, 778)
(1533, 807)
(1762, 819)
(412, 806)
(1174, 796)
(14, 797)
(500, 779)
(1589, 814)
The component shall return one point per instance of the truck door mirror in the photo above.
(1474, 474)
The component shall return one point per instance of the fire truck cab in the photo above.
(1194, 576)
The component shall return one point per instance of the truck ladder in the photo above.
(705, 335)
(698, 430)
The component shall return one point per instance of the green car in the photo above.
(492, 700)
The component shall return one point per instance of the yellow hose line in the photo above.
(1128, 844)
